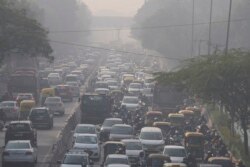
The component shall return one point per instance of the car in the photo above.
(75, 158)
(24, 96)
(176, 153)
(113, 85)
(21, 130)
(88, 142)
(19, 151)
(41, 116)
(116, 159)
(72, 78)
(65, 92)
(121, 131)
(209, 165)
(106, 127)
(148, 93)
(134, 88)
(85, 129)
(133, 150)
(55, 105)
(131, 103)
(54, 79)
(10, 109)
(151, 139)
(75, 88)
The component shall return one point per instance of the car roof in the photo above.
(117, 156)
(135, 97)
(130, 140)
(113, 119)
(19, 141)
(174, 146)
(121, 125)
(8, 102)
(22, 121)
(85, 125)
(150, 129)
(118, 165)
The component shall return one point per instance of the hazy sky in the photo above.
(114, 7)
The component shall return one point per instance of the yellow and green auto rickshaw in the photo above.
(176, 119)
(46, 92)
(194, 144)
(188, 114)
(152, 116)
(25, 107)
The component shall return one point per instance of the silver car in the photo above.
(10, 109)
(19, 151)
(121, 131)
(55, 105)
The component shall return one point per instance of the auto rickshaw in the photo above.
(196, 110)
(174, 165)
(113, 147)
(25, 107)
(152, 116)
(194, 144)
(223, 161)
(46, 92)
(176, 119)
(155, 160)
(188, 114)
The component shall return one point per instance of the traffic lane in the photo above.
(46, 138)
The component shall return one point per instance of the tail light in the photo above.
(5, 153)
(28, 153)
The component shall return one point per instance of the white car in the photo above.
(121, 131)
(88, 142)
(55, 105)
(19, 151)
(134, 88)
(10, 109)
(151, 139)
(116, 159)
(102, 91)
(75, 88)
(113, 84)
(85, 129)
(176, 153)
(133, 150)
(131, 103)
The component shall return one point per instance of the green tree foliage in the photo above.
(21, 35)
(217, 78)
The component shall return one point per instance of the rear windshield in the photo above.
(122, 130)
(20, 145)
(75, 160)
(151, 136)
(19, 127)
(37, 112)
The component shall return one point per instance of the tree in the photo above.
(21, 35)
(218, 78)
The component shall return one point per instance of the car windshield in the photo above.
(133, 146)
(110, 123)
(53, 100)
(122, 130)
(116, 161)
(20, 145)
(151, 136)
(85, 129)
(86, 139)
(39, 112)
(7, 104)
(135, 86)
(71, 78)
(25, 97)
(175, 152)
(19, 127)
(75, 159)
(131, 100)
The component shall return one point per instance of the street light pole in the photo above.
(210, 28)
(228, 27)
(192, 42)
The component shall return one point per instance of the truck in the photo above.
(95, 108)
(167, 98)
(24, 80)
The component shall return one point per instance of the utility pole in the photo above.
(210, 28)
(192, 42)
(228, 27)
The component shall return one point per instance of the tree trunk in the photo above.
(244, 127)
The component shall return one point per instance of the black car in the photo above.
(41, 117)
(21, 130)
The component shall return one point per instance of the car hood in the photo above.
(176, 159)
(134, 153)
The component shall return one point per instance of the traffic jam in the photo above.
(127, 118)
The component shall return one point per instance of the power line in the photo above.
(147, 27)
(109, 49)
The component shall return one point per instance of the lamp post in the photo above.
(228, 27)
(210, 28)
(192, 42)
